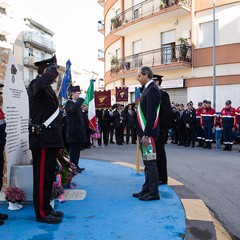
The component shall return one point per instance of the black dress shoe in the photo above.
(149, 197)
(58, 214)
(50, 219)
(162, 182)
(138, 195)
(3, 216)
(1, 222)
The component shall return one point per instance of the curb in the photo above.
(200, 224)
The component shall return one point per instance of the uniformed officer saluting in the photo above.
(45, 138)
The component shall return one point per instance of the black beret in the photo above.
(200, 103)
(228, 102)
(1, 85)
(205, 101)
(74, 88)
(209, 102)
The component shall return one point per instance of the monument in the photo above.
(16, 109)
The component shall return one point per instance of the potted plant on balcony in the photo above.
(116, 22)
(14, 196)
(182, 48)
(115, 64)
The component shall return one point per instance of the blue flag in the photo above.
(67, 81)
(137, 93)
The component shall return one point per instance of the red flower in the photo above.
(14, 194)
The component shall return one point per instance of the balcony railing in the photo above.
(39, 41)
(161, 56)
(101, 26)
(100, 54)
(144, 9)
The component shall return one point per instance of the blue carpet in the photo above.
(108, 212)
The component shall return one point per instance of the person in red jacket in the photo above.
(199, 130)
(238, 118)
(208, 123)
(228, 123)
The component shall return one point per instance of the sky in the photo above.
(74, 23)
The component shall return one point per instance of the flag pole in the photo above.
(138, 157)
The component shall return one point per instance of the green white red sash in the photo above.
(149, 153)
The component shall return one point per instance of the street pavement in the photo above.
(212, 174)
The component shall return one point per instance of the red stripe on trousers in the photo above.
(41, 182)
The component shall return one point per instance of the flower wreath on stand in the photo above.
(65, 172)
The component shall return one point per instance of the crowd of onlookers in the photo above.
(189, 125)
(204, 125)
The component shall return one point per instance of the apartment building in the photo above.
(174, 38)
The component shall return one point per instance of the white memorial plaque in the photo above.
(16, 109)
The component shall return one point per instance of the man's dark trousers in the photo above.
(44, 166)
(151, 177)
(74, 152)
(161, 157)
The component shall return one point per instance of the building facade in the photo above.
(175, 39)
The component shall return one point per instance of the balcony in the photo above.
(101, 2)
(101, 55)
(148, 13)
(166, 58)
(101, 26)
(29, 61)
(39, 41)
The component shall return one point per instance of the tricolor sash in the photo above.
(149, 152)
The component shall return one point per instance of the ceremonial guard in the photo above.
(164, 125)
(208, 123)
(45, 138)
(228, 123)
(148, 131)
(199, 130)
(189, 119)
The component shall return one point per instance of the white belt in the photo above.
(51, 118)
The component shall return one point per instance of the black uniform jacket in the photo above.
(76, 130)
(165, 111)
(43, 103)
(149, 103)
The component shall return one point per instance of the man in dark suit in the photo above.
(76, 130)
(45, 138)
(119, 118)
(130, 124)
(148, 131)
(164, 124)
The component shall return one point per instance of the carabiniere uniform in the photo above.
(45, 142)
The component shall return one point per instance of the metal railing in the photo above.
(145, 8)
(100, 53)
(101, 25)
(161, 56)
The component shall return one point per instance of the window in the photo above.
(137, 58)
(30, 75)
(168, 46)
(30, 50)
(118, 53)
(206, 34)
(3, 38)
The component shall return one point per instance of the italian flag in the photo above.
(90, 103)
